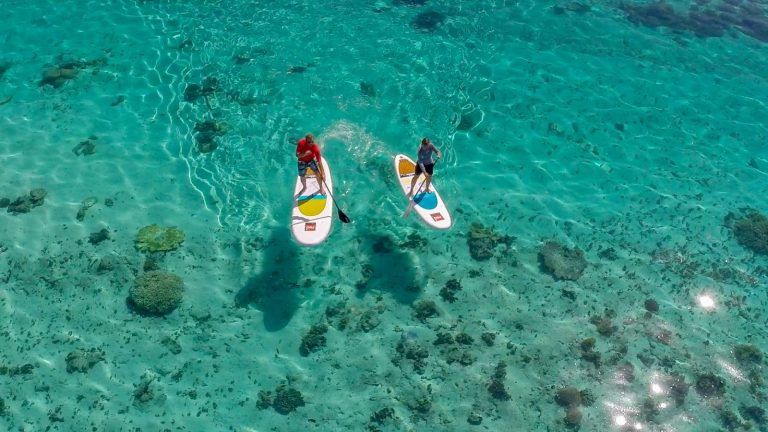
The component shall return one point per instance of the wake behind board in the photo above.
(312, 216)
(430, 206)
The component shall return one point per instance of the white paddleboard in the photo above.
(429, 206)
(312, 216)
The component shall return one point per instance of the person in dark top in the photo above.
(425, 164)
(308, 154)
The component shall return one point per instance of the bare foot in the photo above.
(322, 192)
(302, 190)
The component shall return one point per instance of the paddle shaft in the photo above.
(342, 216)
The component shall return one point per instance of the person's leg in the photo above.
(416, 175)
(302, 176)
(413, 184)
(303, 184)
(319, 176)
(428, 176)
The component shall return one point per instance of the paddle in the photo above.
(412, 204)
(342, 216)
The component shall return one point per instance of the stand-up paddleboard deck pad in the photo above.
(312, 216)
(429, 206)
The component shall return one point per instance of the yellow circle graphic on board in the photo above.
(312, 206)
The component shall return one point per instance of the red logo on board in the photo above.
(437, 217)
(310, 226)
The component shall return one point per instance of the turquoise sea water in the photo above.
(604, 126)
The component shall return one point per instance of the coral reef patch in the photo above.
(154, 238)
(561, 262)
(83, 360)
(156, 293)
(25, 203)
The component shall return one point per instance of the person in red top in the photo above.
(308, 153)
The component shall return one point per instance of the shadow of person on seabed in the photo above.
(274, 291)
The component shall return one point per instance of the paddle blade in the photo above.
(343, 217)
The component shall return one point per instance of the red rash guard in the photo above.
(302, 147)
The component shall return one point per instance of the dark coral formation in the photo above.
(83, 360)
(207, 132)
(4, 66)
(84, 206)
(287, 400)
(413, 241)
(588, 352)
(496, 386)
(730, 420)
(424, 309)
(264, 399)
(57, 76)
(85, 148)
(488, 338)
(144, 391)
(172, 344)
(603, 324)
(192, 92)
(754, 413)
(382, 415)
(25, 369)
(710, 385)
(568, 397)
(409, 348)
(98, 236)
(474, 419)
(626, 372)
(747, 354)
(448, 292)
(338, 315)
(313, 340)
(651, 305)
(469, 119)
(561, 262)
(154, 238)
(712, 21)
(571, 398)
(367, 89)
(369, 320)
(156, 293)
(25, 203)
(428, 21)
(209, 87)
(751, 232)
(678, 388)
(483, 241)
(455, 349)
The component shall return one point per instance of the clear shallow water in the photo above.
(578, 127)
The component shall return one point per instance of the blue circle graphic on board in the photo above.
(426, 201)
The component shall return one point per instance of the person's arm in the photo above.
(316, 152)
(300, 154)
(437, 150)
